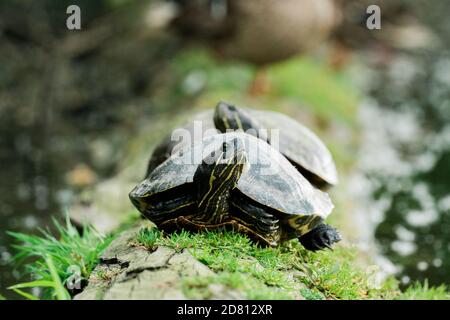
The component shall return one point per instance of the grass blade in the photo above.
(32, 284)
(61, 292)
(25, 294)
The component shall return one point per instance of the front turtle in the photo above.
(296, 142)
(236, 181)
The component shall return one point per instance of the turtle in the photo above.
(297, 143)
(236, 181)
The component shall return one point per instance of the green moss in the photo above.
(287, 271)
(200, 287)
(309, 294)
(148, 237)
(337, 275)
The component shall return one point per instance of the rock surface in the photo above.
(129, 271)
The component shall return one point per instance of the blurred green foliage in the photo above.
(419, 291)
(310, 83)
(327, 93)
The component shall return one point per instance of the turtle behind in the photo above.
(295, 141)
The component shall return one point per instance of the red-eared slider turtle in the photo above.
(296, 142)
(236, 181)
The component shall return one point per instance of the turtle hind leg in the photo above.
(321, 237)
(264, 223)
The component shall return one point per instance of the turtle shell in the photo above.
(173, 142)
(270, 179)
(296, 142)
(300, 145)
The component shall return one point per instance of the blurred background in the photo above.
(81, 110)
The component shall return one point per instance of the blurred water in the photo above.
(66, 112)
(37, 156)
(405, 163)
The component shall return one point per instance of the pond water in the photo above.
(404, 163)
(64, 116)
(39, 156)
(406, 154)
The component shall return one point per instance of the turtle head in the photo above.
(228, 117)
(218, 174)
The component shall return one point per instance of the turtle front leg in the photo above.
(321, 237)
